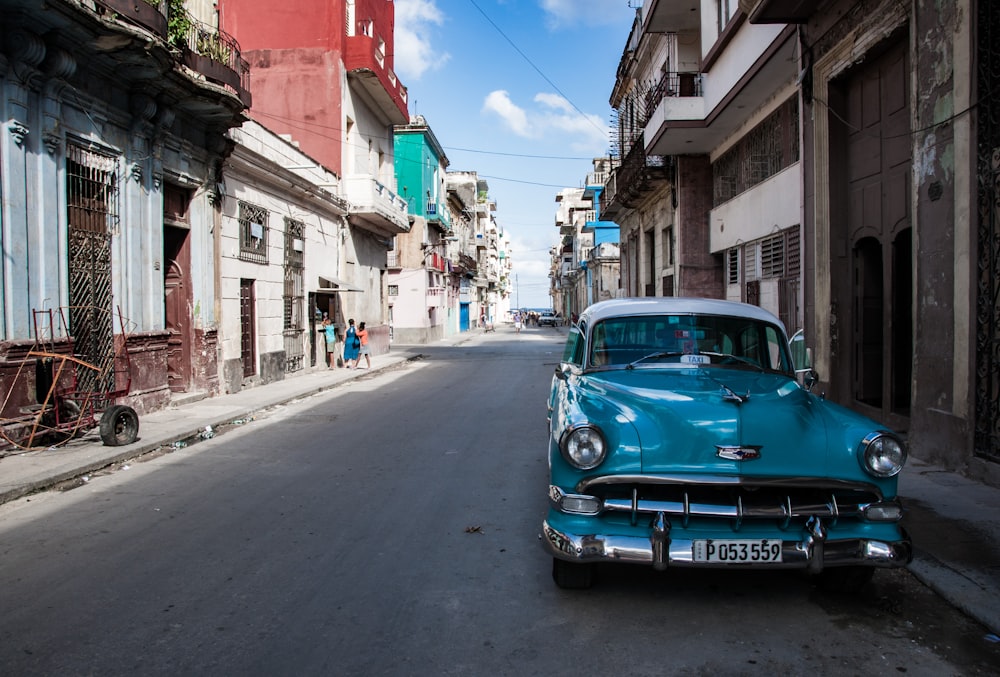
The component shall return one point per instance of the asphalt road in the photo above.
(389, 527)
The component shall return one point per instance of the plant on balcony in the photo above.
(213, 46)
(179, 24)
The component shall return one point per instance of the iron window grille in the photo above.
(767, 149)
(294, 295)
(92, 197)
(253, 233)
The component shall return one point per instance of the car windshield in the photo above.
(707, 340)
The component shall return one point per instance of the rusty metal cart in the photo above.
(74, 393)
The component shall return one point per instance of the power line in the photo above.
(537, 69)
(312, 126)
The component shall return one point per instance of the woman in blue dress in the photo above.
(352, 345)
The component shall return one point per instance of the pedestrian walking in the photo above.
(330, 334)
(352, 345)
(364, 350)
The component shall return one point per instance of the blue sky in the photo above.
(516, 90)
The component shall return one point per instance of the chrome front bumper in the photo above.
(813, 552)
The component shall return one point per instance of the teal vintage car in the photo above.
(681, 435)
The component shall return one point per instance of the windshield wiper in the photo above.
(735, 358)
(653, 356)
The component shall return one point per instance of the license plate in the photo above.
(737, 551)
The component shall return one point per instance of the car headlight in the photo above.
(583, 447)
(882, 454)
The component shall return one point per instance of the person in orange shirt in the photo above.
(365, 351)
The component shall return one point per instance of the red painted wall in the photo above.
(296, 56)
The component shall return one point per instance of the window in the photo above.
(393, 290)
(772, 257)
(253, 233)
(767, 149)
(725, 10)
(573, 349)
(668, 246)
(293, 298)
(733, 266)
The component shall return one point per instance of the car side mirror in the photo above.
(808, 378)
(562, 371)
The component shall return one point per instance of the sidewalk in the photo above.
(22, 473)
(954, 521)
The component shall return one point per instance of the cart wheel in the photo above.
(119, 425)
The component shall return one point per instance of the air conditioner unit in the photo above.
(432, 208)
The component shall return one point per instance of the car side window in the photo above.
(573, 350)
(774, 349)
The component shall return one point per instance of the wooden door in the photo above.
(177, 308)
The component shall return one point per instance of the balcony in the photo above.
(674, 85)
(147, 55)
(374, 207)
(435, 261)
(393, 261)
(693, 113)
(366, 67)
(637, 176)
(140, 13)
(214, 54)
(435, 297)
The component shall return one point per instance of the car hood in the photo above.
(684, 417)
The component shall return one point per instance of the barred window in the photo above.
(393, 290)
(763, 148)
(725, 172)
(294, 243)
(253, 233)
(294, 291)
(767, 149)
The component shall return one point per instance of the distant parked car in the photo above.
(548, 319)
(680, 437)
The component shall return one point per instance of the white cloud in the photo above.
(415, 53)
(513, 116)
(567, 13)
(551, 116)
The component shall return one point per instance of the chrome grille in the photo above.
(782, 500)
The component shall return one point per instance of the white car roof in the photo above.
(666, 305)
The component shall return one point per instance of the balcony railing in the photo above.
(213, 53)
(436, 261)
(672, 85)
(435, 297)
(638, 174)
(148, 14)
(372, 199)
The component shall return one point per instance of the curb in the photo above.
(219, 426)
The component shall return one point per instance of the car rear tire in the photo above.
(845, 579)
(119, 426)
(572, 576)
